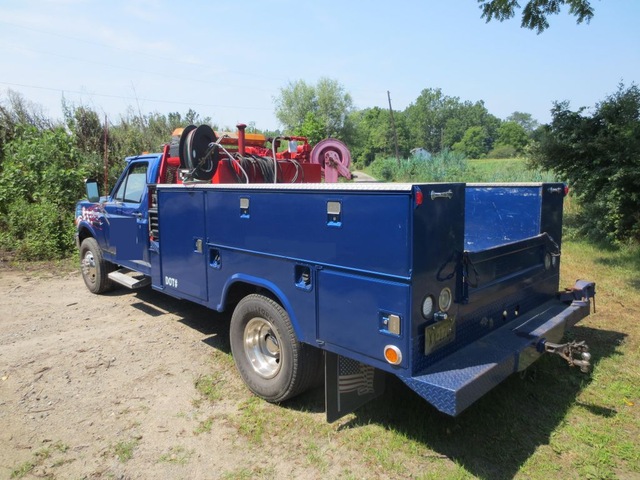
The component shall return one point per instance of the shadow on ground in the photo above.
(492, 439)
(213, 325)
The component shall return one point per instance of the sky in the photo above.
(228, 60)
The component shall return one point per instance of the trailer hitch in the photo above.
(575, 353)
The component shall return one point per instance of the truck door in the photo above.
(127, 215)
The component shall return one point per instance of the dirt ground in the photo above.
(104, 386)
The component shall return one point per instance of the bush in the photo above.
(503, 151)
(446, 166)
(42, 178)
(599, 155)
(37, 231)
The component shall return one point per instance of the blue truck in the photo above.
(451, 287)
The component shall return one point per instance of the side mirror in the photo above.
(93, 191)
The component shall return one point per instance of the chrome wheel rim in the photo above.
(89, 267)
(262, 347)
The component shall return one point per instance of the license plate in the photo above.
(439, 334)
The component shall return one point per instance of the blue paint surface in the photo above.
(498, 215)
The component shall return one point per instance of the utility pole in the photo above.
(393, 125)
(106, 156)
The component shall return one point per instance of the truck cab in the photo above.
(118, 223)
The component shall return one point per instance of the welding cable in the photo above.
(266, 168)
(231, 157)
(235, 174)
(264, 165)
(242, 169)
(247, 162)
(298, 170)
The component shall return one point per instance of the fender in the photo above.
(89, 220)
(267, 285)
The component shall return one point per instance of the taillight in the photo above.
(419, 197)
(393, 355)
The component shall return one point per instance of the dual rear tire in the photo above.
(272, 362)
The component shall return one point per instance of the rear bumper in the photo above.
(460, 379)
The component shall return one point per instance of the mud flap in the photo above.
(349, 384)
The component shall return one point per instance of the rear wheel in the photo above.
(270, 359)
(95, 269)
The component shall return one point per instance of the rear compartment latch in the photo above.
(448, 194)
(575, 353)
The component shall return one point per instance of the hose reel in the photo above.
(334, 158)
(198, 152)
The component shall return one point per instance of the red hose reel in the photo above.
(334, 158)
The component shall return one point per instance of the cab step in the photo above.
(129, 278)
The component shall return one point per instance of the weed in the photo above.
(266, 472)
(124, 449)
(23, 470)
(316, 457)
(40, 456)
(204, 426)
(252, 419)
(176, 455)
(210, 386)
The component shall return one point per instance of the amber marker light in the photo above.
(392, 354)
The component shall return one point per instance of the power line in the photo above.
(122, 97)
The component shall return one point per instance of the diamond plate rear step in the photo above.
(460, 379)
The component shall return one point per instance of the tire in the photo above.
(272, 362)
(95, 269)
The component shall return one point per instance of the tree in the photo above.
(437, 121)
(372, 134)
(535, 12)
(512, 134)
(312, 128)
(599, 154)
(15, 112)
(525, 120)
(328, 101)
(474, 143)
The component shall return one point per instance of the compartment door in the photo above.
(181, 226)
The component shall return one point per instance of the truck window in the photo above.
(133, 186)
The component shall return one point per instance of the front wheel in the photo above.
(95, 269)
(271, 361)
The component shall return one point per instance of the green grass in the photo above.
(40, 456)
(450, 167)
(211, 386)
(123, 450)
(204, 426)
(505, 170)
(261, 472)
(23, 469)
(177, 455)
